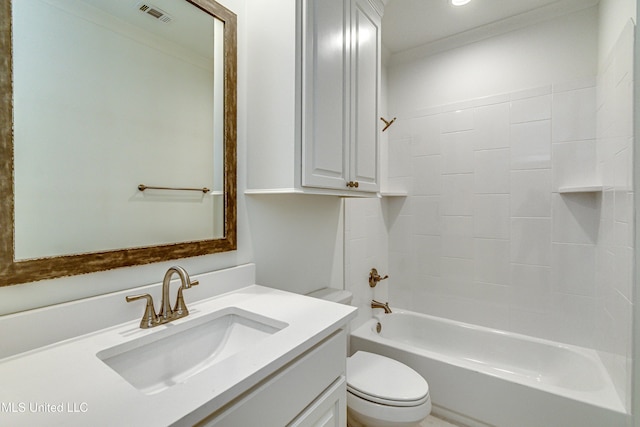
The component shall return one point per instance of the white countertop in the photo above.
(67, 384)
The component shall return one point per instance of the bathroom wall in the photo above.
(482, 143)
(615, 250)
(298, 241)
(493, 242)
(552, 51)
(487, 134)
(43, 293)
(366, 247)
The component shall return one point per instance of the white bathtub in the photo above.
(481, 376)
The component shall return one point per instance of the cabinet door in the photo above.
(325, 93)
(365, 82)
(288, 394)
(329, 410)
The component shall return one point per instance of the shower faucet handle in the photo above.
(374, 277)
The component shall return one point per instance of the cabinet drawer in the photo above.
(281, 397)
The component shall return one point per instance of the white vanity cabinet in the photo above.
(310, 391)
(246, 355)
(314, 81)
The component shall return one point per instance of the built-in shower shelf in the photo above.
(581, 189)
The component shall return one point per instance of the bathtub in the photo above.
(480, 376)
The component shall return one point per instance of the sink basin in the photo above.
(159, 360)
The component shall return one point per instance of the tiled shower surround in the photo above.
(485, 236)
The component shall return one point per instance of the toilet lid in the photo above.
(383, 380)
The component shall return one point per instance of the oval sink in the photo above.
(169, 356)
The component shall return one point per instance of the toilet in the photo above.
(381, 392)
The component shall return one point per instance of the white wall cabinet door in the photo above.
(365, 78)
(341, 67)
(325, 93)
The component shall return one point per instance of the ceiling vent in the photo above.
(154, 12)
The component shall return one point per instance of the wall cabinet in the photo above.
(313, 96)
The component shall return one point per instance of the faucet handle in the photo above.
(374, 277)
(180, 308)
(149, 318)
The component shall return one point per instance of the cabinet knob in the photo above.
(352, 184)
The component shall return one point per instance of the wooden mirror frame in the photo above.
(14, 272)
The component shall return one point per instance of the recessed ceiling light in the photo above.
(459, 2)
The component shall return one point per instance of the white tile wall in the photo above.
(531, 109)
(531, 145)
(573, 269)
(574, 163)
(492, 126)
(457, 194)
(614, 251)
(531, 241)
(367, 245)
(531, 193)
(491, 216)
(575, 218)
(484, 235)
(491, 258)
(457, 152)
(491, 171)
(573, 115)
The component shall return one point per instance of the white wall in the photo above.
(485, 237)
(298, 241)
(615, 154)
(615, 252)
(558, 50)
(43, 293)
(613, 17)
(487, 135)
(366, 247)
(505, 249)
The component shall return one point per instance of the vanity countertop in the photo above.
(65, 383)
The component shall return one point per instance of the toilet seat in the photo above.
(385, 381)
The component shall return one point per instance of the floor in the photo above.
(432, 421)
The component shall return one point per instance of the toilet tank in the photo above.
(334, 295)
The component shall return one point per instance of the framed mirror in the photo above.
(117, 134)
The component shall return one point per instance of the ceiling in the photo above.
(409, 24)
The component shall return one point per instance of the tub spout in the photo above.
(378, 304)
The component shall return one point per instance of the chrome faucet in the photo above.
(166, 314)
(378, 304)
